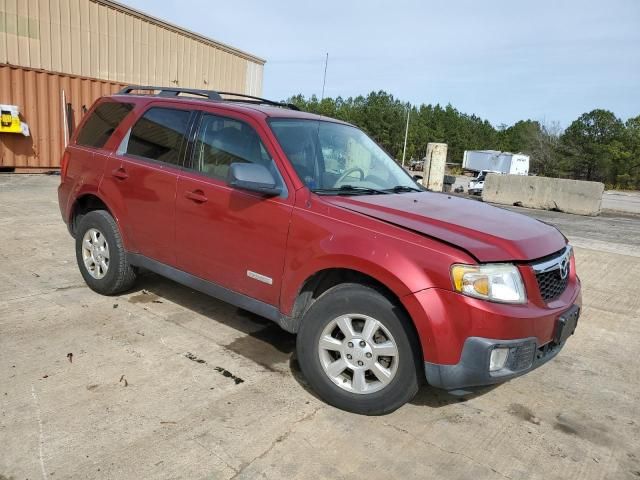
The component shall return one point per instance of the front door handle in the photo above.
(120, 173)
(197, 196)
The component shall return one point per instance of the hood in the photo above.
(490, 234)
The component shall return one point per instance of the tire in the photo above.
(360, 306)
(99, 244)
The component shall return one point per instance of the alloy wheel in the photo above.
(95, 253)
(358, 353)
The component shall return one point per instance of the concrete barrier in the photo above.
(571, 196)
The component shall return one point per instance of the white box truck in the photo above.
(495, 161)
(483, 162)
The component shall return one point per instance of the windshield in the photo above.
(330, 156)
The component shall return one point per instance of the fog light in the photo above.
(498, 358)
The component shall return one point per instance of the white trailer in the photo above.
(519, 164)
(495, 161)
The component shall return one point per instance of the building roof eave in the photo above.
(180, 30)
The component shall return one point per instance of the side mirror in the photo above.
(254, 178)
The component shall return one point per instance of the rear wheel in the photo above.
(101, 256)
(358, 352)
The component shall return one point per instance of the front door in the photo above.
(147, 177)
(234, 238)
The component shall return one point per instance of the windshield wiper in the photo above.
(403, 188)
(348, 190)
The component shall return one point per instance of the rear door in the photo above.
(88, 153)
(234, 238)
(151, 156)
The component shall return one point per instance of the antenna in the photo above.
(324, 80)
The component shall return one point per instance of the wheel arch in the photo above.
(395, 274)
(322, 280)
(88, 201)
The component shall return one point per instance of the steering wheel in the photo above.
(349, 172)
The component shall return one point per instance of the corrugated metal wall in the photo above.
(39, 96)
(68, 44)
(105, 40)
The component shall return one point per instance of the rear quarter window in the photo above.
(101, 123)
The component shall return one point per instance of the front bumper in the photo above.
(473, 368)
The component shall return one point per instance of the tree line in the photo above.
(596, 146)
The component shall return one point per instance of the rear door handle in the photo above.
(197, 196)
(120, 173)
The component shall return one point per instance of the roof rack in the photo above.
(172, 91)
(257, 100)
(208, 94)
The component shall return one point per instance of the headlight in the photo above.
(498, 282)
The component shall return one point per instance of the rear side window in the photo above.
(160, 135)
(101, 123)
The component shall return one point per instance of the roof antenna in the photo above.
(324, 80)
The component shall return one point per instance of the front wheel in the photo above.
(358, 351)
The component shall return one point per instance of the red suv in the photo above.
(308, 222)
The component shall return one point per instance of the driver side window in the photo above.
(222, 141)
(299, 146)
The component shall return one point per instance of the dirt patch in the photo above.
(523, 413)
(194, 358)
(145, 297)
(226, 373)
(583, 428)
(221, 370)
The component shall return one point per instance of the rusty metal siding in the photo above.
(39, 96)
(103, 39)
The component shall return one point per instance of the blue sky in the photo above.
(504, 60)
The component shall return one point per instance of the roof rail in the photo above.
(172, 91)
(209, 94)
(257, 100)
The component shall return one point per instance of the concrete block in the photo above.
(570, 196)
(434, 164)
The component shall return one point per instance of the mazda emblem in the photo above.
(564, 267)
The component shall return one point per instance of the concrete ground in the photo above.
(164, 382)
(621, 201)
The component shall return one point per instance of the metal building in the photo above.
(58, 56)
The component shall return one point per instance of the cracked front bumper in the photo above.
(473, 368)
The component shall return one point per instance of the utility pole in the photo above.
(324, 79)
(406, 134)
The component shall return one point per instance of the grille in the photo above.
(551, 284)
(550, 272)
